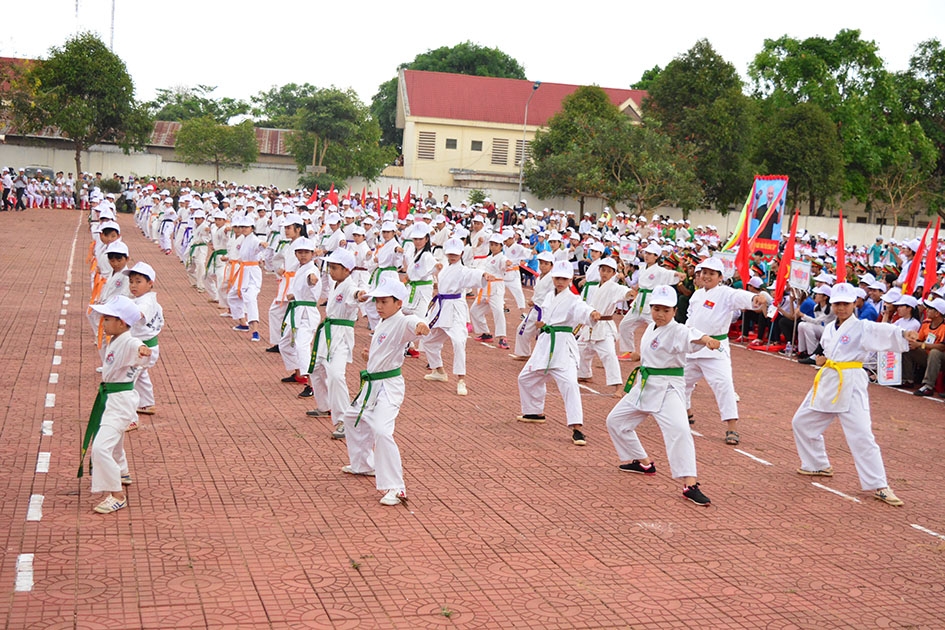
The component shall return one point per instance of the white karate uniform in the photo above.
(600, 338)
(148, 327)
(647, 279)
(854, 340)
(447, 318)
(526, 333)
(711, 312)
(370, 440)
(562, 309)
(385, 258)
(662, 397)
(286, 266)
(243, 295)
(328, 376)
(491, 298)
(295, 346)
(811, 329)
(516, 254)
(419, 296)
(197, 255)
(213, 279)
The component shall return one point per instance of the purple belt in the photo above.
(438, 301)
(521, 329)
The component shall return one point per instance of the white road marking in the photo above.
(47, 427)
(750, 456)
(696, 433)
(65, 302)
(58, 345)
(35, 510)
(62, 322)
(836, 492)
(66, 295)
(60, 332)
(56, 360)
(64, 312)
(53, 378)
(927, 531)
(50, 400)
(593, 391)
(42, 462)
(24, 573)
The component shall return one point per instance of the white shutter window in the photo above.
(519, 151)
(500, 151)
(426, 145)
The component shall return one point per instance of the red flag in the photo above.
(931, 263)
(784, 267)
(363, 194)
(743, 255)
(403, 206)
(908, 285)
(841, 253)
(348, 196)
(314, 196)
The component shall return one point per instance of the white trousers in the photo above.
(329, 385)
(494, 303)
(514, 286)
(296, 351)
(808, 336)
(627, 330)
(107, 458)
(717, 372)
(198, 267)
(606, 351)
(213, 280)
(143, 386)
(532, 391)
(276, 315)
(370, 441)
(245, 306)
(809, 427)
(432, 346)
(671, 418)
(526, 334)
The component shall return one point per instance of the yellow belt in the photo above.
(839, 366)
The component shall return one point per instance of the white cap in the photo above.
(938, 304)
(906, 300)
(879, 286)
(597, 247)
(824, 290)
(755, 282)
(389, 288)
(713, 264)
(333, 217)
(860, 293)
(554, 236)
(663, 295)
(562, 269)
(343, 257)
(117, 247)
(608, 262)
(913, 244)
(842, 292)
(110, 224)
(304, 243)
(867, 278)
(293, 219)
(199, 214)
(546, 256)
(894, 294)
(122, 308)
(419, 230)
(143, 268)
(357, 229)
(496, 238)
(219, 214)
(653, 248)
(388, 226)
(453, 246)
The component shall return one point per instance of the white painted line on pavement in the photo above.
(56, 360)
(66, 294)
(593, 391)
(50, 400)
(47, 427)
(65, 302)
(927, 531)
(24, 573)
(53, 378)
(750, 456)
(60, 332)
(696, 433)
(42, 462)
(62, 322)
(64, 312)
(836, 492)
(35, 510)
(57, 345)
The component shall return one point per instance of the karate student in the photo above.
(369, 420)
(710, 310)
(115, 404)
(556, 354)
(840, 391)
(116, 253)
(648, 278)
(285, 265)
(297, 328)
(386, 261)
(492, 297)
(420, 267)
(516, 254)
(331, 239)
(334, 342)
(601, 338)
(146, 328)
(526, 333)
(213, 279)
(449, 314)
(657, 388)
(244, 292)
(197, 252)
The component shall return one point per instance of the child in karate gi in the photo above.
(216, 259)
(146, 328)
(285, 264)
(657, 388)
(556, 354)
(648, 278)
(526, 333)
(492, 297)
(244, 292)
(516, 254)
(197, 251)
(601, 338)
(385, 265)
(115, 404)
(448, 316)
(116, 253)
(369, 420)
(420, 267)
(297, 328)
(840, 391)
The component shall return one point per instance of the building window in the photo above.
(475, 145)
(519, 151)
(451, 143)
(426, 145)
(861, 219)
(500, 151)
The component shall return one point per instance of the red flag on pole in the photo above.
(784, 268)
(841, 253)
(931, 263)
(333, 196)
(363, 194)
(908, 285)
(314, 197)
(348, 195)
(403, 206)
(743, 255)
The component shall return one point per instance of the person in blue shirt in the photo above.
(865, 309)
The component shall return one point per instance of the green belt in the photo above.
(417, 283)
(213, 256)
(644, 293)
(646, 373)
(290, 312)
(377, 272)
(551, 330)
(282, 243)
(369, 378)
(587, 286)
(95, 418)
(326, 324)
(152, 342)
(190, 253)
(720, 337)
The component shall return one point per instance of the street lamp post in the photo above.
(521, 162)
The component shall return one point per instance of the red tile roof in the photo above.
(488, 99)
(270, 141)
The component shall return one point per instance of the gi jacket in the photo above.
(562, 309)
(663, 347)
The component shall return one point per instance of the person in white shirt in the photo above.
(492, 297)
(600, 339)
(647, 278)
(527, 331)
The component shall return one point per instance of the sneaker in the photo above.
(807, 361)
(461, 388)
(925, 390)
(110, 504)
(624, 357)
(538, 418)
(307, 392)
(413, 354)
(318, 413)
(394, 497)
(578, 438)
(255, 337)
(636, 467)
(150, 410)
(694, 494)
(99, 369)
(503, 344)
(436, 376)
(226, 314)
(886, 495)
(133, 426)
(519, 357)
(291, 378)
(484, 337)
(274, 348)
(349, 470)
(241, 328)
(126, 480)
(826, 472)
(339, 432)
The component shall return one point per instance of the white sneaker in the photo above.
(461, 388)
(394, 497)
(98, 369)
(436, 376)
(349, 470)
(110, 504)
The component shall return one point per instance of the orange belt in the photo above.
(488, 291)
(91, 255)
(287, 276)
(228, 273)
(239, 274)
(97, 286)
(101, 332)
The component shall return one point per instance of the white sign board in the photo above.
(889, 368)
(728, 261)
(800, 275)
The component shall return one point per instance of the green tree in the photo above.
(464, 58)
(206, 141)
(903, 180)
(185, 103)
(647, 78)
(84, 90)
(277, 106)
(698, 100)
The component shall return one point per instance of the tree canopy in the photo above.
(276, 106)
(185, 103)
(205, 140)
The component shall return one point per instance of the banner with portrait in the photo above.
(766, 212)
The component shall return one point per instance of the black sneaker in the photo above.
(807, 361)
(318, 413)
(636, 467)
(274, 348)
(290, 379)
(694, 494)
(578, 438)
(925, 390)
(307, 392)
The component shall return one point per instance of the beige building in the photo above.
(467, 131)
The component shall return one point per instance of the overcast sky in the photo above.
(243, 48)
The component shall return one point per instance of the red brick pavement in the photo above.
(239, 516)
